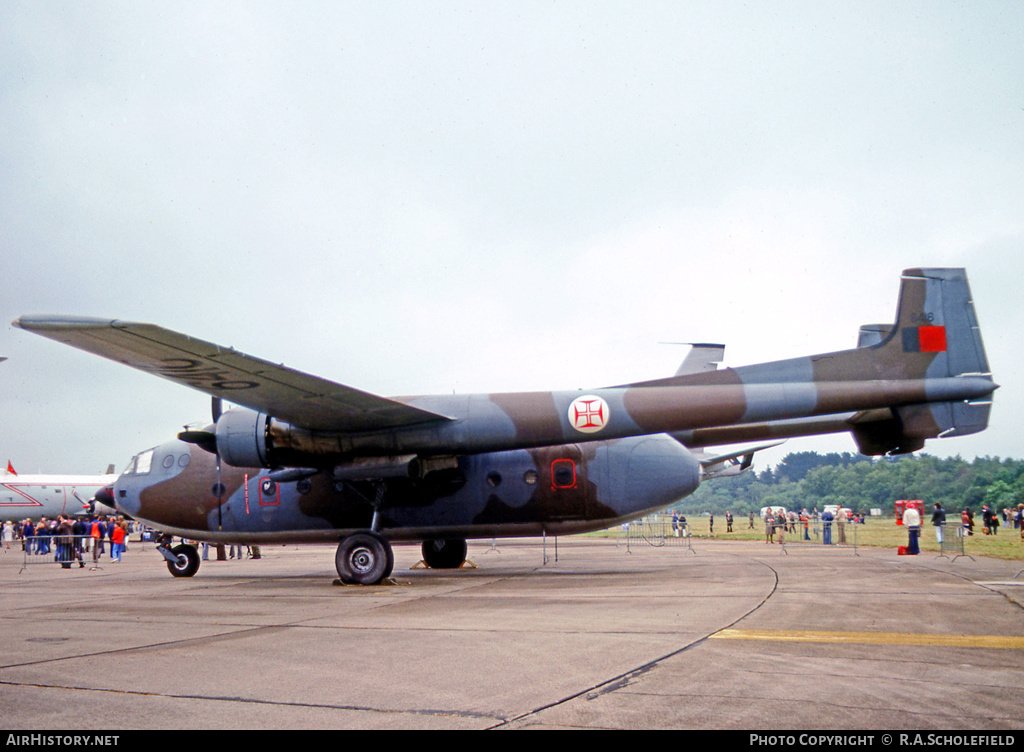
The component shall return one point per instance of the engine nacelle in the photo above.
(246, 438)
(242, 438)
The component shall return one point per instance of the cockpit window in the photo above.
(143, 462)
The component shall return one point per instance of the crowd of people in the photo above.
(780, 522)
(69, 539)
(992, 519)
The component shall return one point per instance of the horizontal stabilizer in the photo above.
(731, 463)
(908, 426)
(872, 334)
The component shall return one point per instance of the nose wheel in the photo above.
(182, 560)
(364, 558)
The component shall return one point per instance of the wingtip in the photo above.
(37, 323)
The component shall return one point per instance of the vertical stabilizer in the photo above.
(936, 317)
(936, 331)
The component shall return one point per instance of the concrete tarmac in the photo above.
(726, 635)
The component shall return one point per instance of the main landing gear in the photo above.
(366, 557)
(444, 553)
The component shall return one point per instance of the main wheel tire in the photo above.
(187, 563)
(444, 553)
(364, 559)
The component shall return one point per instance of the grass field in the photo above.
(878, 532)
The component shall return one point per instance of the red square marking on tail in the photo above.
(932, 338)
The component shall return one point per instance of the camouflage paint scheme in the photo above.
(495, 494)
(486, 465)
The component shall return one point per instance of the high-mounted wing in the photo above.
(298, 398)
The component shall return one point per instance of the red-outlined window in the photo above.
(270, 493)
(563, 474)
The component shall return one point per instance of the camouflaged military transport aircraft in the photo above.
(306, 459)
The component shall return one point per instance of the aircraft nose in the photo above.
(124, 499)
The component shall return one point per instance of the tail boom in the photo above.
(925, 376)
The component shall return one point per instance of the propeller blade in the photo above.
(203, 439)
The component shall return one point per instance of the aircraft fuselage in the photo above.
(35, 496)
(559, 489)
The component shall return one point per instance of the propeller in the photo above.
(234, 449)
(205, 439)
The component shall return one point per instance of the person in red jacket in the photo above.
(117, 542)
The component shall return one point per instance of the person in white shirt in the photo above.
(912, 521)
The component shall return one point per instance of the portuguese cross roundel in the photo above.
(589, 414)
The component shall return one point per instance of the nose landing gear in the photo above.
(182, 560)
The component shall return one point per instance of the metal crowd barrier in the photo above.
(657, 530)
(65, 550)
(953, 543)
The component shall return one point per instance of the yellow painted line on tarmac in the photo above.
(872, 638)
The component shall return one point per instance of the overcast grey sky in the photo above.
(427, 197)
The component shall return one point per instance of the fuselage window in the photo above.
(563, 474)
(168, 461)
(184, 459)
(493, 479)
(531, 477)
